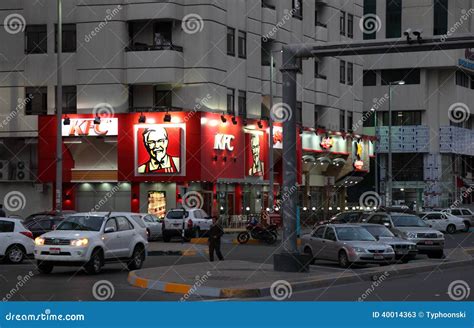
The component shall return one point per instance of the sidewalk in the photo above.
(158, 248)
(229, 279)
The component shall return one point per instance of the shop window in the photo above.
(409, 76)
(231, 41)
(242, 103)
(242, 42)
(69, 38)
(69, 99)
(370, 78)
(230, 101)
(370, 8)
(394, 19)
(350, 73)
(440, 17)
(342, 71)
(163, 100)
(350, 25)
(36, 40)
(342, 23)
(38, 101)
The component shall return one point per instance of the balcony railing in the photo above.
(146, 47)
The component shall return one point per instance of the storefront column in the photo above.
(238, 199)
(69, 197)
(135, 197)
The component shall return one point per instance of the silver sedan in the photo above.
(153, 225)
(347, 244)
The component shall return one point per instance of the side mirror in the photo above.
(387, 224)
(109, 230)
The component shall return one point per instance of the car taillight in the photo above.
(27, 234)
(190, 224)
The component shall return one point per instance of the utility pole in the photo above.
(270, 123)
(59, 113)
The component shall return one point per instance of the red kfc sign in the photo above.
(82, 127)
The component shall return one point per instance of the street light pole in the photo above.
(59, 113)
(270, 123)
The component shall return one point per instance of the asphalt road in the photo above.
(70, 284)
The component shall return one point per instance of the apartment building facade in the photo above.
(159, 62)
(432, 138)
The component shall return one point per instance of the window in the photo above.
(394, 19)
(350, 25)
(7, 226)
(69, 38)
(230, 101)
(342, 71)
(299, 112)
(370, 78)
(36, 41)
(330, 234)
(242, 103)
(350, 121)
(123, 224)
(316, 116)
(162, 34)
(69, 99)
(440, 17)
(163, 100)
(407, 167)
(402, 118)
(298, 9)
(370, 9)
(319, 233)
(38, 104)
(410, 76)
(342, 120)
(316, 18)
(462, 79)
(456, 212)
(111, 223)
(242, 44)
(342, 23)
(231, 41)
(368, 120)
(350, 73)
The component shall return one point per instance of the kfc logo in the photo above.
(256, 165)
(87, 127)
(223, 142)
(158, 149)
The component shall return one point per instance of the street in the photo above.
(68, 284)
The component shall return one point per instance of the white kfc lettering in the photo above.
(223, 142)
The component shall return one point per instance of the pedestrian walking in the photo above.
(2, 212)
(215, 234)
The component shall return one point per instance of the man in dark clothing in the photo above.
(215, 234)
(2, 212)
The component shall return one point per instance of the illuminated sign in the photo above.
(223, 142)
(358, 165)
(468, 62)
(327, 143)
(85, 127)
(255, 154)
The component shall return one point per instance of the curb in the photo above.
(259, 242)
(186, 289)
(188, 252)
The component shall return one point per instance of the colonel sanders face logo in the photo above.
(257, 164)
(156, 143)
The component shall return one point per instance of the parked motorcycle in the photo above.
(257, 232)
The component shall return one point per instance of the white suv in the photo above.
(193, 222)
(15, 240)
(91, 240)
(465, 214)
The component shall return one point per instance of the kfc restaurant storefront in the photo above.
(152, 163)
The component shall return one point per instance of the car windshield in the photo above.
(82, 223)
(175, 215)
(408, 221)
(353, 234)
(379, 231)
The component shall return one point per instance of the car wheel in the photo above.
(309, 252)
(343, 260)
(44, 267)
(15, 254)
(137, 259)
(243, 237)
(451, 229)
(96, 262)
(436, 255)
(467, 226)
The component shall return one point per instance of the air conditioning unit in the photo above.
(4, 165)
(22, 170)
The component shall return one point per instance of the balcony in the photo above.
(142, 11)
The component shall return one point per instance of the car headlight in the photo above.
(389, 249)
(359, 249)
(440, 235)
(39, 241)
(80, 242)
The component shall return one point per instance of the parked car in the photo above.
(194, 222)
(91, 240)
(16, 242)
(65, 213)
(347, 244)
(43, 223)
(443, 221)
(404, 250)
(464, 213)
(344, 217)
(151, 223)
(412, 228)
